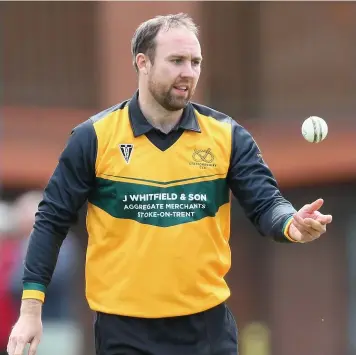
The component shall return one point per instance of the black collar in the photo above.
(141, 126)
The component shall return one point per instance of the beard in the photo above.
(166, 96)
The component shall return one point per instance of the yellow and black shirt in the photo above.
(158, 216)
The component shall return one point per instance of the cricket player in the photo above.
(157, 171)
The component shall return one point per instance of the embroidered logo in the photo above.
(203, 158)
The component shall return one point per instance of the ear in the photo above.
(143, 63)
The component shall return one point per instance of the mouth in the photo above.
(181, 88)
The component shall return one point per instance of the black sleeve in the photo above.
(254, 186)
(65, 194)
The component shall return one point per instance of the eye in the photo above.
(196, 62)
(177, 61)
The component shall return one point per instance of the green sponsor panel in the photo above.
(160, 206)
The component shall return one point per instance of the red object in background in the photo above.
(9, 251)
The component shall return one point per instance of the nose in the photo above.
(187, 70)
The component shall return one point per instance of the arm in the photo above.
(66, 192)
(255, 187)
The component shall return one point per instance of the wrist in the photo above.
(287, 230)
(31, 307)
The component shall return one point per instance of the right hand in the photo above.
(28, 329)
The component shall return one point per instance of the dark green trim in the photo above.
(34, 287)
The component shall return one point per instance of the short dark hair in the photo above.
(143, 40)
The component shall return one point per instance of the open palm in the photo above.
(308, 223)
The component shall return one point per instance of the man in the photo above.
(156, 171)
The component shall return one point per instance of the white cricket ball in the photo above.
(314, 129)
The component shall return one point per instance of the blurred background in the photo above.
(270, 65)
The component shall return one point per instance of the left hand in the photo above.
(308, 223)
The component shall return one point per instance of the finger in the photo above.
(314, 225)
(33, 346)
(20, 347)
(325, 219)
(11, 346)
(300, 221)
(315, 205)
(308, 227)
(316, 229)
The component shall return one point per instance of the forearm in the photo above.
(52, 223)
(275, 220)
(255, 187)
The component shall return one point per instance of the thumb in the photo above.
(33, 347)
(314, 206)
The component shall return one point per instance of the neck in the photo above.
(157, 115)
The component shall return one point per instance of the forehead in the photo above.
(177, 41)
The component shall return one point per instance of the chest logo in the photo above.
(203, 158)
(126, 151)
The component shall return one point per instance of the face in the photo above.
(172, 78)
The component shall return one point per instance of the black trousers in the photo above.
(212, 332)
